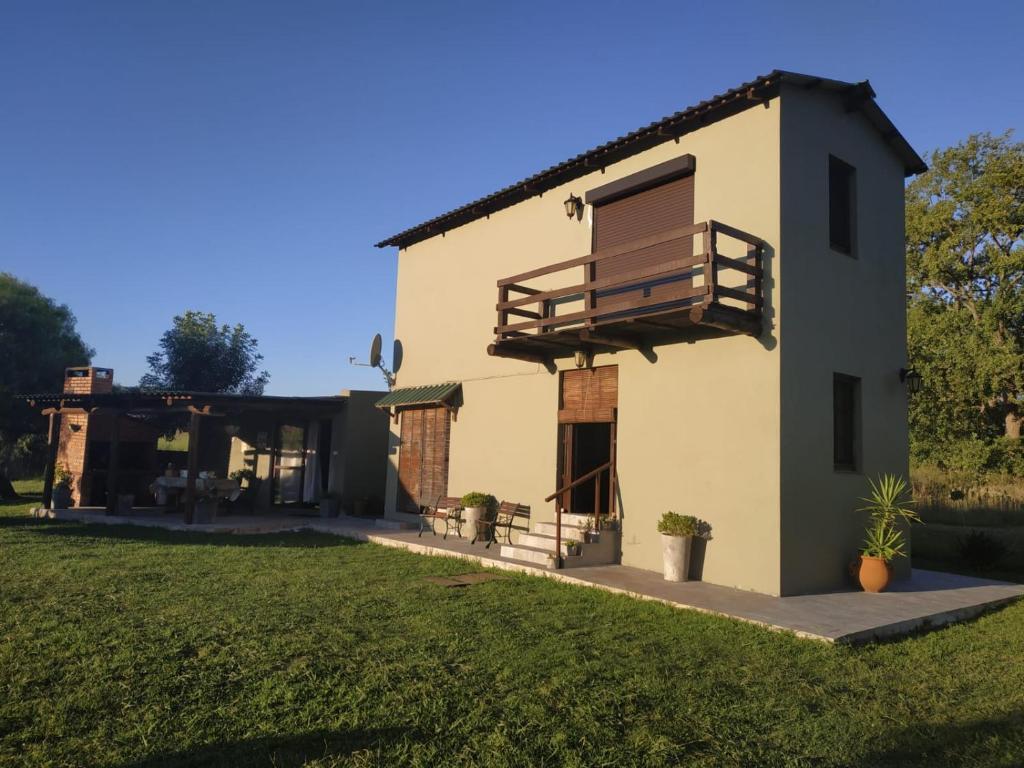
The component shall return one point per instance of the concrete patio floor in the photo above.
(927, 600)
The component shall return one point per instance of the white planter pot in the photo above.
(471, 516)
(676, 553)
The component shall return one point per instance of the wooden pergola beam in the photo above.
(113, 468)
(206, 410)
(192, 466)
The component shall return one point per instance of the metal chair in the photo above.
(502, 523)
(447, 509)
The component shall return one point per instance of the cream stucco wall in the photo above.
(844, 315)
(735, 430)
(699, 427)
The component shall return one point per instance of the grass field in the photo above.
(134, 647)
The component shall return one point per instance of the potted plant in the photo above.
(884, 539)
(61, 496)
(572, 547)
(207, 503)
(677, 532)
(586, 529)
(329, 504)
(478, 509)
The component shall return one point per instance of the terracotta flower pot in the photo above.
(874, 574)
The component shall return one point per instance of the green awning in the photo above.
(430, 394)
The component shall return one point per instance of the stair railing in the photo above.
(596, 472)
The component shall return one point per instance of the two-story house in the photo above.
(705, 315)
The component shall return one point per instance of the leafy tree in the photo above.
(965, 284)
(198, 355)
(38, 341)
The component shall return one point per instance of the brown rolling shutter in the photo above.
(589, 395)
(645, 213)
(423, 457)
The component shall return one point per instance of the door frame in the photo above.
(564, 461)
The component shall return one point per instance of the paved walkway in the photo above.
(927, 600)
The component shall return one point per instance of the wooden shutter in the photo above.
(423, 456)
(589, 395)
(645, 213)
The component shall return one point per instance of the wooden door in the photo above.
(423, 457)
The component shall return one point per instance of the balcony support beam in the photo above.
(621, 342)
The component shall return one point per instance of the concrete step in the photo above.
(537, 549)
(576, 520)
(568, 531)
(532, 555)
(540, 540)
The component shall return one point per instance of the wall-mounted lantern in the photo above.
(913, 380)
(574, 207)
(582, 358)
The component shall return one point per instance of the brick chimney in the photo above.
(72, 450)
(88, 381)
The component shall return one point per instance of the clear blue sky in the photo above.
(243, 157)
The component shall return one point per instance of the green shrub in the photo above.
(61, 477)
(477, 499)
(674, 524)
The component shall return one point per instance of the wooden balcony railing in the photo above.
(619, 310)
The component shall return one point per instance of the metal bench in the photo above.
(502, 523)
(447, 509)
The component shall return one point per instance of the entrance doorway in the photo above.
(587, 413)
(586, 447)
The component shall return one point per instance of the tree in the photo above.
(197, 355)
(965, 286)
(38, 341)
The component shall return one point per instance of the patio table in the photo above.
(164, 487)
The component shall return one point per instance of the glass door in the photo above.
(289, 463)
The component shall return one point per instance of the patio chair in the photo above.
(447, 509)
(502, 523)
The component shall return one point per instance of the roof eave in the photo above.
(724, 105)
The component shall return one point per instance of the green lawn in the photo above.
(128, 647)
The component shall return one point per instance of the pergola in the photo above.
(146, 404)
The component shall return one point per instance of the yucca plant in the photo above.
(884, 541)
(887, 505)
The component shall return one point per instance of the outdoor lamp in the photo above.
(912, 379)
(574, 207)
(581, 358)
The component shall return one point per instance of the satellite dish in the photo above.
(375, 351)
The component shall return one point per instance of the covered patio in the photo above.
(245, 454)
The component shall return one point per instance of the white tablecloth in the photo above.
(163, 487)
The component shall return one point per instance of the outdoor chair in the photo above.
(447, 509)
(502, 523)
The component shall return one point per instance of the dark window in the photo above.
(840, 205)
(845, 421)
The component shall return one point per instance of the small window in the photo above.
(840, 205)
(845, 422)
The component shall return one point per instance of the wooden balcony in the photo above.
(682, 295)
